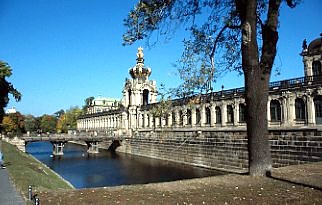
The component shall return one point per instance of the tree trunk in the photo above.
(4, 90)
(259, 155)
(257, 74)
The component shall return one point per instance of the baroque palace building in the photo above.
(293, 103)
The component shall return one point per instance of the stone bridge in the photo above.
(92, 141)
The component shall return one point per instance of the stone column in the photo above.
(236, 113)
(100, 122)
(116, 121)
(140, 118)
(137, 98)
(106, 122)
(146, 123)
(125, 121)
(284, 110)
(310, 110)
(291, 109)
(224, 114)
(177, 117)
(97, 123)
(162, 123)
(193, 117)
(92, 123)
(185, 119)
(308, 65)
(202, 115)
(213, 115)
(151, 120)
(170, 123)
(126, 98)
(269, 110)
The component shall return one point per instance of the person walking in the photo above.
(1, 161)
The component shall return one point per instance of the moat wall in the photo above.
(223, 150)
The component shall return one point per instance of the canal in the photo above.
(111, 169)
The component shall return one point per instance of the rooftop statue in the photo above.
(304, 45)
(140, 54)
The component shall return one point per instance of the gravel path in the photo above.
(8, 193)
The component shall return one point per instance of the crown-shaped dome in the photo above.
(315, 46)
(139, 70)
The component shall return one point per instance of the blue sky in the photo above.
(64, 51)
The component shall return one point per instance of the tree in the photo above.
(48, 124)
(162, 109)
(59, 113)
(6, 88)
(88, 103)
(68, 120)
(32, 123)
(232, 35)
(14, 123)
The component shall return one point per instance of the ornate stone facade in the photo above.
(101, 104)
(293, 104)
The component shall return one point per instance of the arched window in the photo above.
(218, 115)
(166, 120)
(198, 117)
(208, 115)
(173, 118)
(318, 109)
(300, 111)
(143, 121)
(148, 121)
(129, 94)
(275, 111)
(153, 121)
(145, 97)
(160, 121)
(242, 112)
(181, 118)
(230, 114)
(189, 117)
(316, 67)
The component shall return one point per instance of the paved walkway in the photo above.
(309, 174)
(8, 193)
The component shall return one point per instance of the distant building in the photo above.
(11, 110)
(103, 104)
(293, 103)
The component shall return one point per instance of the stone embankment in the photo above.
(224, 150)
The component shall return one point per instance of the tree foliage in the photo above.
(163, 108)
(48, 124)
(88, 103)
(32, 124)
(225, 35)
(14, 123)
(68, 120)
(6, 88)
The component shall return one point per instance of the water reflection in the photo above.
(111, 169)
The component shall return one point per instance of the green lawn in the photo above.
(24, 170)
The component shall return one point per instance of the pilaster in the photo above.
(193, 116)
(224, 113)
(202, 115)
